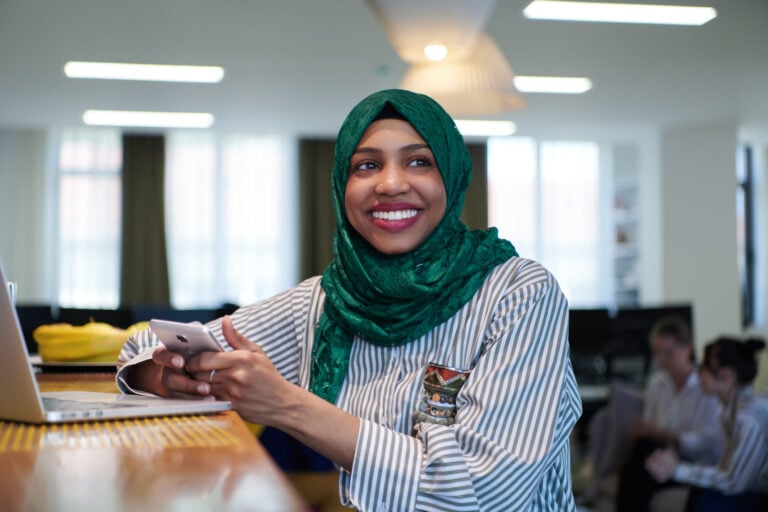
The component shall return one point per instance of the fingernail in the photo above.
(178, 362)
(203, 388)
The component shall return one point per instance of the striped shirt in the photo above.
(690, 413)
(508, 448)
(744, 466)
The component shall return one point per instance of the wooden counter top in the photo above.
(183, 463)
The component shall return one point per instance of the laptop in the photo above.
(23, 401)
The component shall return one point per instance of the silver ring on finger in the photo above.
(210, 377)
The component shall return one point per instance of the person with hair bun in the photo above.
(740, 480)
(677, 414)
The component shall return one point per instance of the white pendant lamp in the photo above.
(480, 84)
(445, 27)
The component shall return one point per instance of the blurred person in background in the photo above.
(739, 481)
(676, 414)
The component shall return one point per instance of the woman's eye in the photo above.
(364, 166)
(419, 162)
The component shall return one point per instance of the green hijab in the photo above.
(391, 300)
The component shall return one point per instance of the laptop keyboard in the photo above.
(62, 404)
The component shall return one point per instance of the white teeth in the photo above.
(394, 215)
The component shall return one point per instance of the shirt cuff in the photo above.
(681, 473)
(386, 470)
(122, 374)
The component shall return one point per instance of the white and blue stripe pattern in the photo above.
(744, 466)
(507, 451)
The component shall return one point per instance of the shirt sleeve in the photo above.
(136, 350)
(280, 325)
(703, 441)
(651, 396)
(508, 449)
(740, 466)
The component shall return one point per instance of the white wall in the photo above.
(697, 195)
(25, 202)
(652, 217)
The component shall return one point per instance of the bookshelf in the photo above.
(626, 226)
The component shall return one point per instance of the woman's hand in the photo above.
(164, 375)
(260, 394)
(639, 428)
(661, 464)
(245, 377)
(172, 379)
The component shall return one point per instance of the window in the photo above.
(89, 163)
(544, 197)
(745, 234)
(230, 218)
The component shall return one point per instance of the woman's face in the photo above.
(716, 380)
(395, 196)
(708, 380)
(671, 356)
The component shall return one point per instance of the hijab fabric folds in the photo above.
(390, 300)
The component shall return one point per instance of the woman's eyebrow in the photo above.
(366, 150)
(414, 147)
(404, 149)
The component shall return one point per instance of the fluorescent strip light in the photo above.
(553, 84)
(148, 119)
(619, 13)
(151, 72)
(485, 128)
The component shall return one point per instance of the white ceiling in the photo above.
(298, 66)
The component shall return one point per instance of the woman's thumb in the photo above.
(234, 338)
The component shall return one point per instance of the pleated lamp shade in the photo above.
(481, 84)
(411, 25)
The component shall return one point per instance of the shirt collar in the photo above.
(693, 380)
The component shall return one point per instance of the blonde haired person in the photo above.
(676, 413)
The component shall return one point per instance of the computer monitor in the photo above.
(589, 331)
(633, 325)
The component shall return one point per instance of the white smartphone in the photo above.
(188, 340)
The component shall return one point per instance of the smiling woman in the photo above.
(429, 361)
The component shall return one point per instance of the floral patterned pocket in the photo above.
(441, 385)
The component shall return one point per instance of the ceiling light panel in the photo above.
(469, 127)
(552, 84)
(149, 72)
(148, 119)
(619, 12)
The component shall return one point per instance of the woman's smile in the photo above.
(395, 216)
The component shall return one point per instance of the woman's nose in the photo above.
(392, 180)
